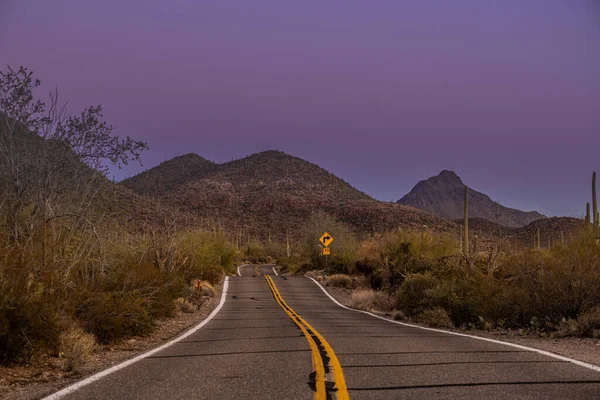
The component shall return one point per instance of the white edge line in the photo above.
(102, 374)
(243, 265)
(276, 274)
(518, 346)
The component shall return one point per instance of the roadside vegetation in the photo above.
(426, 278)
(77, 270)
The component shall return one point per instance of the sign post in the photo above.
(326, 239)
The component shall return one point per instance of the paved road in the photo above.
(273, 333)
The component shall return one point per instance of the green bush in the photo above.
(412, 297)
(111, 316)
(436, 317)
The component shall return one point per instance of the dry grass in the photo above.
(339, 280)
(383, 301)
(362, 299)
(184, 306)
(436, 317)
(368, 299)
(76, 346)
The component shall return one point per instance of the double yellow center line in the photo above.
(323, 357)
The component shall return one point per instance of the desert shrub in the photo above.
(376, 279)
(436, 317)
(338, 266)
(203, 254)
(386, 258)
(213, 275)
(255, 252)
(558, 284)
(363, 299)
(112, 316)
(160, 288)
(368, 256)
(339, 280)
(398, 315)
(305, 268)
(587, 325)
(461, 298)
(567, 327)
(366, 267)
(184, 306)
(368, 299)
(412, 297)
(289, 265)
(382, 301)
(28, 317)
(161, 305)
(76, 346)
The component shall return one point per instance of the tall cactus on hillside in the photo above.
(587, 216)
(466, 212)
(594, 203)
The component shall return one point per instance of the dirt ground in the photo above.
(47, 374)
(582, 349)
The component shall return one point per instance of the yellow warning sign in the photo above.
(326, 251)
(326, 239)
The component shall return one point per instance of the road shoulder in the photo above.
(48, 375)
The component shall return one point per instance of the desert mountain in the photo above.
(443, 195)
(270, 192)
(170, 174)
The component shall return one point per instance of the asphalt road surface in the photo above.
(284, 338)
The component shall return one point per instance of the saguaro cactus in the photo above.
(466, 212)
(587, 216)
(594, 203)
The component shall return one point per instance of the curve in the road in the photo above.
(324, 358)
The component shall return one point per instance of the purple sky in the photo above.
(382, 93)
